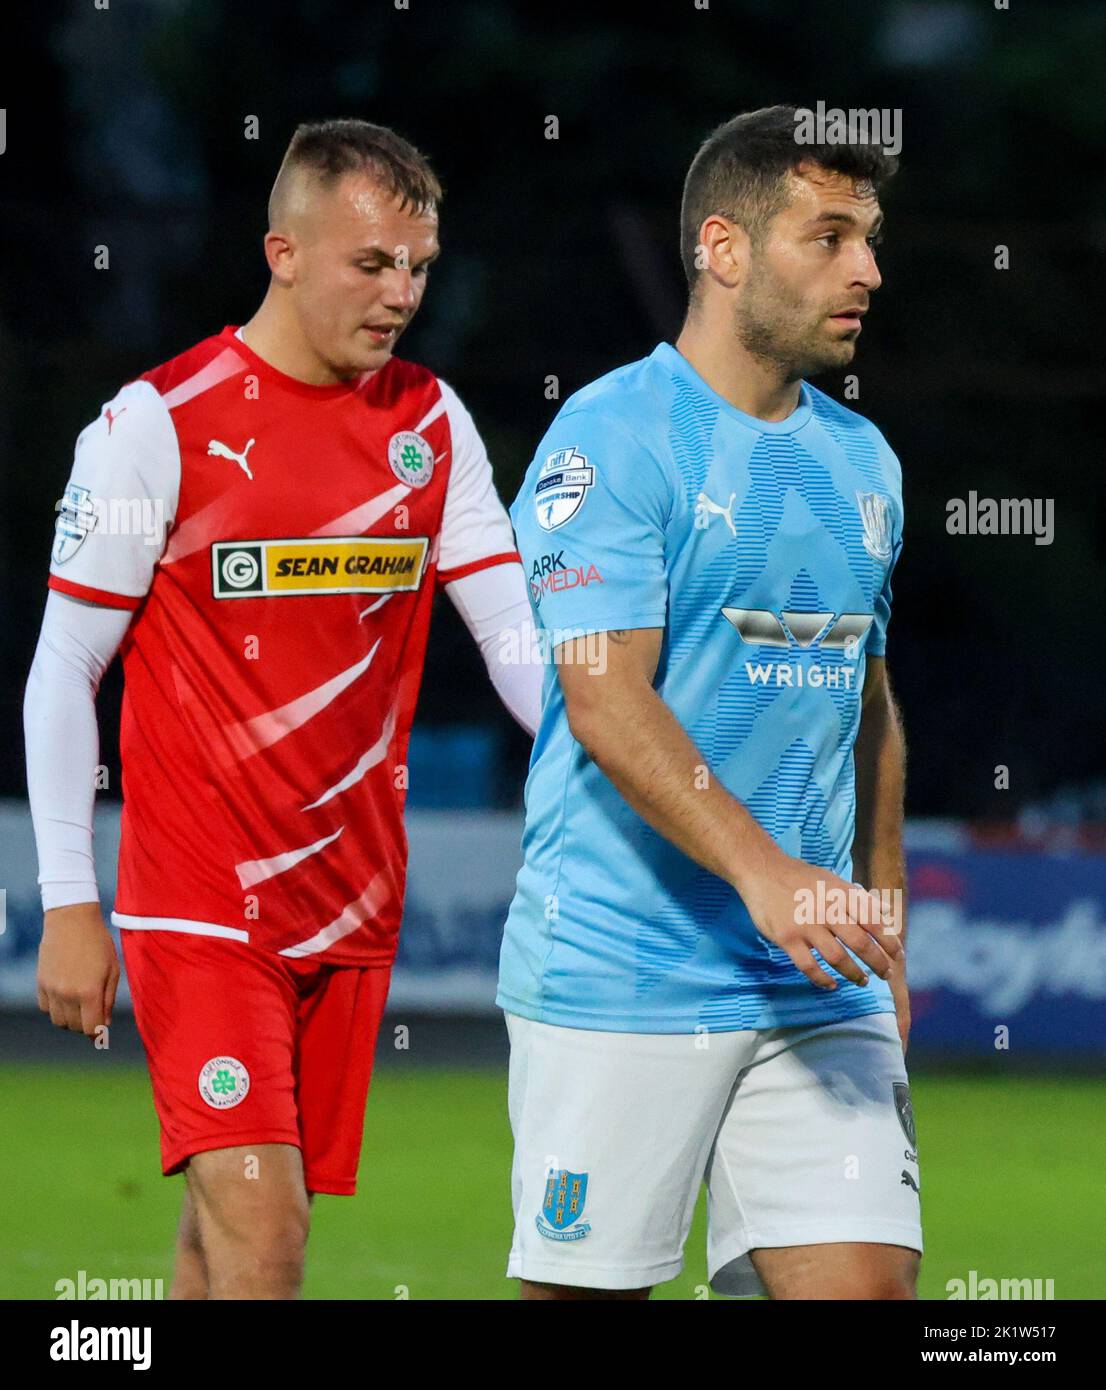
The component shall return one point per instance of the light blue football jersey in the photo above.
(764, 550)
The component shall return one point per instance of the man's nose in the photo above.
(867, 272)
(399, 289)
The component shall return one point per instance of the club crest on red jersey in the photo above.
(411, 457)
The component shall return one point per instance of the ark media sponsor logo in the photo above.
(550, 575)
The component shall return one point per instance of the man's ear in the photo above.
(280, 250)
(723, 251)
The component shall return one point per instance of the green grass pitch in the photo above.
(1011, 1186)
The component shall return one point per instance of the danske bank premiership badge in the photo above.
(76, 519)
(562, 487)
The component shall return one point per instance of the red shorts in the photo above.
(247, 1047)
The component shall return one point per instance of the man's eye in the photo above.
(876, 239)
(369, 269)
(829, 238)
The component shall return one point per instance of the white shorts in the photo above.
(802, 1135)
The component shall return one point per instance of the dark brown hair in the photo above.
(740, 167)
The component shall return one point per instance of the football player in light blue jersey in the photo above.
(703, 968)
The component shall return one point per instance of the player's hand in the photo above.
(900, 994)
(78, 970)
(788, 908)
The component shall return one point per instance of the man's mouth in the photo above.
(383, 332)
(850, 317)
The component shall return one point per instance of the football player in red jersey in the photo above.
(259, 525)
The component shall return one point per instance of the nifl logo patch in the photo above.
(563, 1206)
(76, 519)
(562, 487)
(224, 1082)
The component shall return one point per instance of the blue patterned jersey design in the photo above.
(765, 552)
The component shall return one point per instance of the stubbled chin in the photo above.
(840, 355)
(842, 352)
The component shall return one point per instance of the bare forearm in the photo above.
(880, 762)
(639, 744)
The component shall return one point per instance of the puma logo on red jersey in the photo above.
(224, 451)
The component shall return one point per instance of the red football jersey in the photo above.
(280, 544)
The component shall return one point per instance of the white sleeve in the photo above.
(496, 610)
(75, 647)
(476, 530)
(120, 501)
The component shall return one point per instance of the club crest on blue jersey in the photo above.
(875, 513)
(563, 1206)
(562, 487)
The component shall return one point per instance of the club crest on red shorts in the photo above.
(224, 1082)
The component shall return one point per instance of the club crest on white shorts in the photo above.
(905, 1111)
(224, 1082)
(563, 1206)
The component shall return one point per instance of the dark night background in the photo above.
(560, 257)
